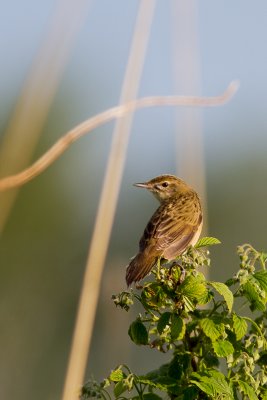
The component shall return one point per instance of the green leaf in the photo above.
(261, 277)
(188, 304)
(153, 375)
(163, 322)
(150, 396)
(138, 332)
(207, 241)
(194, 288)
(223, 348)
(206, 387)
(213, 383)
(224, 291)
(263, 256)
(230, 282)
(163, 383)
(190, 393)
(179, 365)
(177, 327)
(240, 326)
(120, 388)
(247, 390)
(152, 296)
(116, 375)
(211, 329)
(252, 291)
(162, 378)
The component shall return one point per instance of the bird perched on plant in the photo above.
(174, 226)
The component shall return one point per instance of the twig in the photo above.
(116, 112)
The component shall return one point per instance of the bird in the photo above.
(173, 228)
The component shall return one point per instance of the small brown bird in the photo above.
(174, 226)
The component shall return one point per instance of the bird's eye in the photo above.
(165, 184)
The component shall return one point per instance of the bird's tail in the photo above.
(139, 267)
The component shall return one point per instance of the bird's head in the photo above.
(164, 186)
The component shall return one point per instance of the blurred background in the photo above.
(63, 62)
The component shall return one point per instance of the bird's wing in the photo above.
(173, 228)
(173, 237)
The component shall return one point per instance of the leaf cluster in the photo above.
(198, 323)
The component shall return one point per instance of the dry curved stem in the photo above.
(87, 126)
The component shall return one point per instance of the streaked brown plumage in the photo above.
(174, 226)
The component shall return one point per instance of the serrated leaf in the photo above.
(223, 348)
(194, 289)
(177, 327)
(211, 329)
(138, 332)
(261, 277)
(247, 390)
(213, 382)
(206, 387)
(207, 241)
(240, 326)
(116, 375)
(224, 291)
(163, 322)
(252, 291)
(188, 304)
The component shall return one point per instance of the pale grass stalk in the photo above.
(187, 79)
(90, 124)
(190, 162)
(28, 118)
(106, 210)
(186, 71)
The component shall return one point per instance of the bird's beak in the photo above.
(142, 185)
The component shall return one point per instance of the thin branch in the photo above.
(116, 112)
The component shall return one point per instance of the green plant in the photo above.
(196, 321)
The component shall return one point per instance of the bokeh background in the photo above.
(74, 55)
